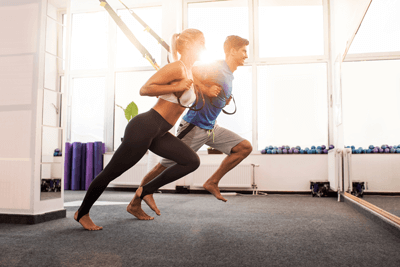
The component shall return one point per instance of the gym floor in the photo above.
(198, 230)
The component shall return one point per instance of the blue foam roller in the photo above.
(302, 151)
(392, 150)
(306, 149)
(369, 151)
(274, 151)
(76, 165)
(353, 147)
(287, 147)
(353, 151)
(67, 165)
(298, 148)
(270, 147)
(371, 147)
(398, 150)
(319, 151)
(312, 147)
(309, 151)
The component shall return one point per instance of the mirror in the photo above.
(51, 166)
(370, 87)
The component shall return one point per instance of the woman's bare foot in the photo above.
(151, 203)
(135, 207)
(213, 189)
(87, 223)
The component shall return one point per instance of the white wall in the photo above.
(22, 68)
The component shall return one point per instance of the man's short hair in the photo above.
(234, 41)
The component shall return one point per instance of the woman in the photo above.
(150, 130)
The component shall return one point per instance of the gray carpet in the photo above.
(198, 230)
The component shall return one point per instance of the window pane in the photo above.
(292, 105)
(127, 87)
(87, 109)
(89, 41)
(380, 29)
(371, 92)
(217, 20)
(290, 28)
(127, 54)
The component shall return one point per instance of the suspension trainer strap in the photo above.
(223, 110)
(129, 34)
(147, 28)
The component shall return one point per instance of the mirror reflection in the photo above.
(370, 89)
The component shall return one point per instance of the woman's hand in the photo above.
(183, 85)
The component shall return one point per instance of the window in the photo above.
(87, 109)
(292, 105)
(371, 91)
(127, 54)
(290, 28)
(217, 20)
(89, 41)
(380, 29)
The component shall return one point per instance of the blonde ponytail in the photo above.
(174, 46)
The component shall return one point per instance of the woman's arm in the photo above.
(169, 79)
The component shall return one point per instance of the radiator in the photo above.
(241, 176)
(133, 176)
(335, 169)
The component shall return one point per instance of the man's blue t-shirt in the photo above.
(219, 73)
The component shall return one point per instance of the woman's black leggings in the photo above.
(145, 131)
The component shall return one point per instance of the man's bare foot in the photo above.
(151, 203)
(213, 189)
(87, 223)
(135, 207)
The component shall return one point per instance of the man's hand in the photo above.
(213, 91)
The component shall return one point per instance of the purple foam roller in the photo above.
(67, 165)
(98, 158)
(76, 165)
(83, 168)
(89, 164)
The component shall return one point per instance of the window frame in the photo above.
(254, 60)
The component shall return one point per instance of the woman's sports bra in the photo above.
(187, 98)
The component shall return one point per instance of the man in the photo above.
(199, 127)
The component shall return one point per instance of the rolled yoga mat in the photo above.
(67, 165)
(98, 158)
(76, 165)
(89, 164)
(83, 168)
